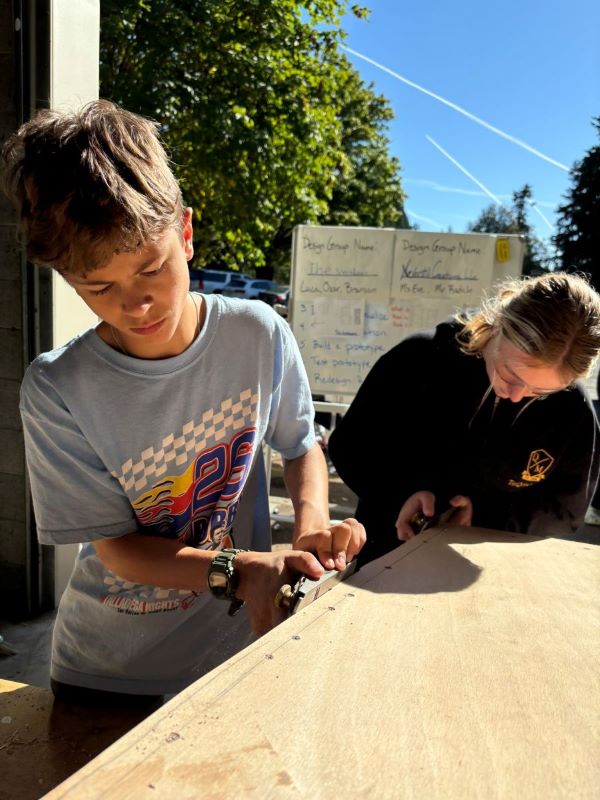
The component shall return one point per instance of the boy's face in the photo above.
(143, 296)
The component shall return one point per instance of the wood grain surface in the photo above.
(462, 665)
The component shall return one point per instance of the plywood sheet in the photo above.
(462, 665)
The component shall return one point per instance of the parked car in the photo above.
(255, 287)
(197, 280)
(236, 286)
(214, 281)
(208, 280)
(278, 298)
(250, 289)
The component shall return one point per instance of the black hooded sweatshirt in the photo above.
(418, 423)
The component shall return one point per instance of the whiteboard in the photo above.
(356, 292)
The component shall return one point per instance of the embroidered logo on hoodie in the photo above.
(539, 464)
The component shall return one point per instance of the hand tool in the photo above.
(304, 591)
(419, 522)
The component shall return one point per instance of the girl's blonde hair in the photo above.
(554, 319)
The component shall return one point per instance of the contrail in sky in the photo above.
(534, 205)
(421, 218)
(440, 187)
(466, 172)
(480, 184)
(448, 103)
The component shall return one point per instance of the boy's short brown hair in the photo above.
(89, 184)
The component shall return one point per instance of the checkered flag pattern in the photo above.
(178, 449)
(114, 585)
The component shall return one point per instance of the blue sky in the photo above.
(529, 68)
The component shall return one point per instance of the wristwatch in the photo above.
(223, 580)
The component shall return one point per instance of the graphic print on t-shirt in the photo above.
(188, 489)
(127, 597)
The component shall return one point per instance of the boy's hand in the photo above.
(335, 546)
(262, 575)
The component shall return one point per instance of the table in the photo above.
(42, 742)
(464, 664)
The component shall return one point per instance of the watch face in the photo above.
(216, 580)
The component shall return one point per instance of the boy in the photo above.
(141, 433)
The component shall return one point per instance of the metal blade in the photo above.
(306, 591)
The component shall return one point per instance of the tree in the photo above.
(501, 219)
(253, 98)
(578, 237)
(367, 189)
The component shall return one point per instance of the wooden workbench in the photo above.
(43, 742)
(462, 665)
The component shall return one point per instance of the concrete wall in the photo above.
(74, 40)
(14, 543)
(50, 57)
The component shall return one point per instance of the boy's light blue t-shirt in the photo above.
(117, 444)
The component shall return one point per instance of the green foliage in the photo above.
(267, 123)
(578, 237)
(367, 189)
(500, 219)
